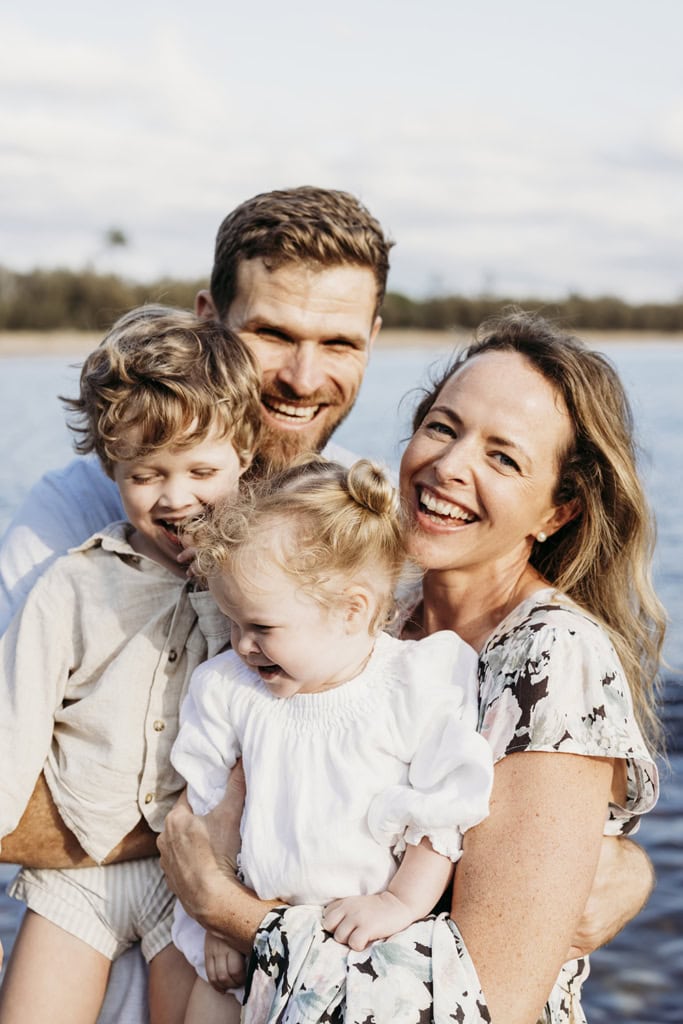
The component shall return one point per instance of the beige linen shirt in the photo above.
(92, 672)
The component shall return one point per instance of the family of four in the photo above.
(501, 716)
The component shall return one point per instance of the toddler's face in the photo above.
(293, 642)
(164, 488)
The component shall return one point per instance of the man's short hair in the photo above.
(316, 226)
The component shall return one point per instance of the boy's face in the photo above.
(162, 489)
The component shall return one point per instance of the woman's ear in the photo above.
(561, 515)
(358, 609)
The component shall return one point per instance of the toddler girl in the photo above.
(359, 750)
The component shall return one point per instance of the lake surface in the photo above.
(638, 978)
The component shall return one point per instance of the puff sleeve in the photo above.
(450, 770)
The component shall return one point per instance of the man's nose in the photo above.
(303, 370)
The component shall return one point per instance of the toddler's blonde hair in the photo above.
(343, 523)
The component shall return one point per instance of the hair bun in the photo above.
(370, 487)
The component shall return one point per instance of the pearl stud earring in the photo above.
(541, 537)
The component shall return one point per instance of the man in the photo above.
(300, 275)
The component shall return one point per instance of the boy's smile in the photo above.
(161, 490)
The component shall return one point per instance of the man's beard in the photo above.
(277, 449)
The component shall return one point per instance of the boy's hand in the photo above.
(358, 920)
(225, 967)
(186, 557)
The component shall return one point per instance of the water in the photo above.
(638, 978)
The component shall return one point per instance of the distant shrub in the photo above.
(86, 300)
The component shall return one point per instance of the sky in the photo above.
(521, 149)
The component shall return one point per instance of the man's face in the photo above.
(311, 330)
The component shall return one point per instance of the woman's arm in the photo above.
(526, 873)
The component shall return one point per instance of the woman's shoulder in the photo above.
(550, 679)
(548, 628)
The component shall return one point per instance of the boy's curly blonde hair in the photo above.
(163, 377)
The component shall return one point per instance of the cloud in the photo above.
(161, 135)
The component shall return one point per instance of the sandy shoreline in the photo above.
(78, 343)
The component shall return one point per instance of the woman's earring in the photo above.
(541, 537)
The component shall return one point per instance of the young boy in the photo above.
(94, 666)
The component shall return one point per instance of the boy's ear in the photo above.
(357, 609)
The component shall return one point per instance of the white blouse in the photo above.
(339, 781)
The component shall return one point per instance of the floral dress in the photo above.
(549, 680)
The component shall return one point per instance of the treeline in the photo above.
(577, 312)
(86, 300)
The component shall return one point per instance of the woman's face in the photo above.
(479, 474)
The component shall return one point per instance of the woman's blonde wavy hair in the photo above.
(345, 523)
(602, 559)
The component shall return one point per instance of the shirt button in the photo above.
(172, 655)
(159, 726)
(149, 797)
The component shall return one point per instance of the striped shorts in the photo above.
(109, 907)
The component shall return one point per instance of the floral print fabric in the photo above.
(549, 679)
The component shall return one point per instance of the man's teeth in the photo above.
(300, 412)
(445, 508)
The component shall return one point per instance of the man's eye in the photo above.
(342, 343)
(271, 334)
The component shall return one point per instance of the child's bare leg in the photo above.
(171, 979)
(52, 976)
(207, 1006)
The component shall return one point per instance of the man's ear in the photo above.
(204, 305)
(374, 332)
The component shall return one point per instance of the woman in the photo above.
(528, 517)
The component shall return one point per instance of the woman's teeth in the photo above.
(445, 508)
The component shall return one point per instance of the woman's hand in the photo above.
(622, 886)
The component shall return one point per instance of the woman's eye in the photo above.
(505, 460)
(438, 427)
